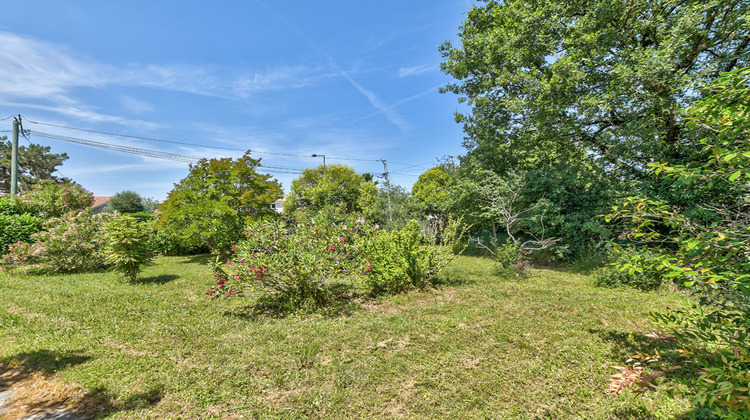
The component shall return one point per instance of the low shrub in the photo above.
(15, 205)
(409, 258)
(68, 244)
(296, 258)
(165, 242)
(19, 219)
(128, 245)
(621, 271)
(17, 228)
(301, 258)
(510, 259)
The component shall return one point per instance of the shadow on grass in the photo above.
(202, 259)
(44, 361)
(39, 396)
(340, 300)
(162, 279)
(625, 345)
(628, 344)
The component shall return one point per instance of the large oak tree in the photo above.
(569, 79)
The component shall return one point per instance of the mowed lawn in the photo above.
(475, 346)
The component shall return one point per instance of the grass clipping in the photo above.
(37, 393)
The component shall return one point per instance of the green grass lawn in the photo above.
(476, 346)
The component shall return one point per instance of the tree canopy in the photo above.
(217, 199)
(549, 81)
(331, 185)
(431, 190)
(35, 163)
(127, 202)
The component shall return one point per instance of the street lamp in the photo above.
(323, 156)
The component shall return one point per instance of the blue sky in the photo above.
(286, 79)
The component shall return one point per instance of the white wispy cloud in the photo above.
(135, 106)
(416, 71)
(48, 75)
(33, 69)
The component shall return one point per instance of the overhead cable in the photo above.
(149, 153)
(188, 144)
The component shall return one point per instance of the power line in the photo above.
(24, 133)
(149, 153)
(118, 148)
(185, 143)
(135, 137)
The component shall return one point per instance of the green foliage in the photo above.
(394, 207)
(711, 258)
(410, 257)
(35, 163)
(127, 202)
(167, 242)
(298, 259)
(54, 200)
(717, 344)
(15, 205)
(431, 190)
(331, 185)
(18, 221)
(617, 272)
(216, 200)
(584, 95)
(547, 80)
(503, 203)
(16, 228)
(128, 245)
(509, 258)
(72, 243)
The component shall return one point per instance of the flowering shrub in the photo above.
(301, 257)
(297, 258)
(54, 199)
(127, 245)
(71, 243)
(409, 258)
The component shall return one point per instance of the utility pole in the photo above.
(14, 157)
(388, 186)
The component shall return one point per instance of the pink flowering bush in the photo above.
(54, 199)
(71, 243)
(297, 258)
(301, 258)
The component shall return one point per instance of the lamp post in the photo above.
(323, 156)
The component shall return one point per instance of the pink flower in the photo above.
(368, 267)
(342, 239)
(232, 248)
(376, 226)
(331, 248)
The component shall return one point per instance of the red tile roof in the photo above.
(98, 201)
